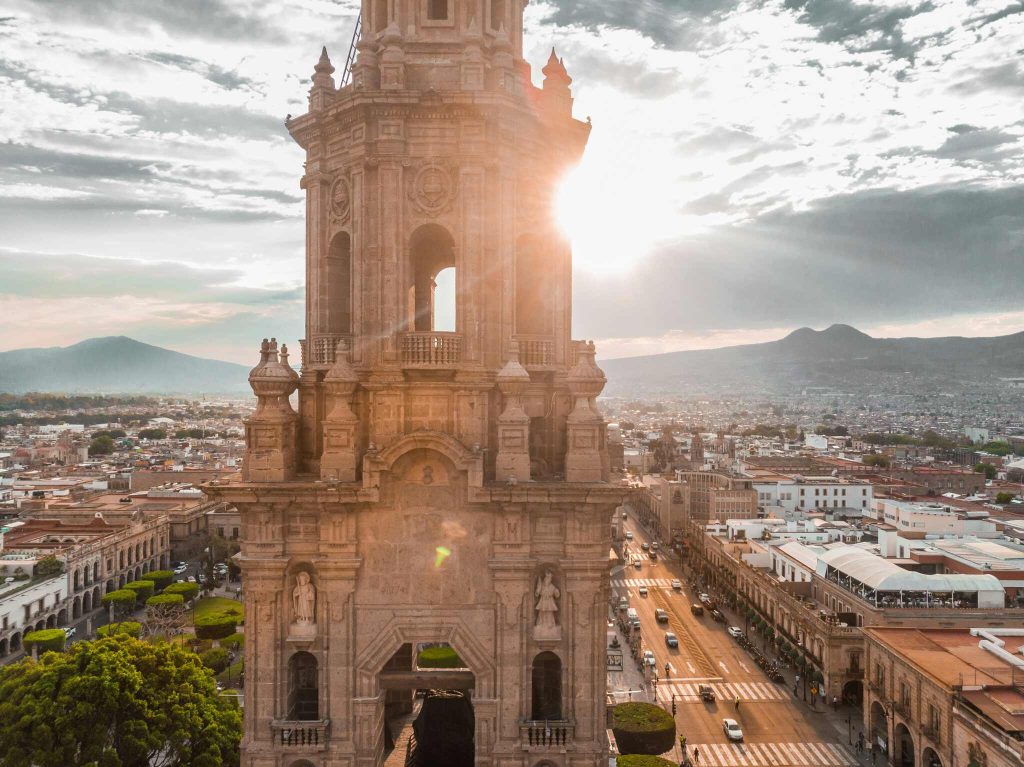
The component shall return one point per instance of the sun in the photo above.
(615, 213)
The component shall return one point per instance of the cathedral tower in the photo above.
(443, 485)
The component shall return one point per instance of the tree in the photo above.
(215, 659)
(45, 640)
(161, 578)
(1004, 497)
(131, 628)
(997, 447)
(877, 459)
(216, 625)
(987, 469)
(48, 565)
(643, 728)
(103, 445)
(152, 434)
(188, 591)
(165, 614)
(116, 701)
(123, 601)
(143, 589)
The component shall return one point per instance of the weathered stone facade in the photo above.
(434, 487)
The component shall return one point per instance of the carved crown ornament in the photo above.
(433, 188)
(341, 199)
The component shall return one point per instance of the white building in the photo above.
(797, 493)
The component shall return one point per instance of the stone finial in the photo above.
(513, 378)
(323, 84)
(323, 66)
(501, 39)
(555, 72)
(341, 371)
(586, 379)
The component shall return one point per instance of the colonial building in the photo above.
(445, 480)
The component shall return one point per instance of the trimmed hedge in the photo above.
(439, 657)
(234, 642)
(144, 588)
(121, 597)
(643, 728)
(45, 640)
(216, 625)
(162, 578)
(131, 628)
(187, 590)
(642, 760)
(215, 659)
(165, 600)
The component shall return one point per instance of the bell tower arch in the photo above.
(444, 478)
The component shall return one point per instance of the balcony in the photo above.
(932, 733)
(300, 735)
(854, 673)
(536, 351)
(320, 350)
(545, 736)
(902, 708)
(431, 350)
(877, 687)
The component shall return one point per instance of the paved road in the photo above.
(778, 730)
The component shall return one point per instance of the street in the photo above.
(778, 729)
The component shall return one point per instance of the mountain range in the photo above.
(117, 365)
(839, 356)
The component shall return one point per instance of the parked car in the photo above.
(636, 563)
(735, 632)
(661, 615)
(649, 659)
(704, 597)
(677, 585)
(732, 730)
(625, 515)
(69, 632)
(635, 624)
(191, 579)
(642, 591)
(671, 639)
(717, 616)
(644, 546)
(707, 694)
(623, 604)
(696, 609)
(629, 536)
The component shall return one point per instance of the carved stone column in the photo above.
(511, 584)
(266, 684)
(338, 577)
(338, 460)
(583, 461)
(272, 432)
(513, 459)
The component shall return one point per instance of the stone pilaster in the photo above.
(272, 432)
(513, 460)
(583, 461)
(340, 429)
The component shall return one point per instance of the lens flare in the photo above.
(441, 554)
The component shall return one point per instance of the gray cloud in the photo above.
(860, 26)
(978, 144)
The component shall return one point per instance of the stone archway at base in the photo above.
(930, 759)
(853, 693)
(903, 747)
(879, 724)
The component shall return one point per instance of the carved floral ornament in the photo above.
(341, 199)
(433, 189)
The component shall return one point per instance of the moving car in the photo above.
(625, 515)
(649, 659)
(623, 604)
(632, 615)
(677, 585)
(707, 694)
(629, 536)
(696, 609)
(661, 615)
(732, 730)
(717, 616)
(644, 546)
(69, 632)
(735, 632)
(642, 591)
(655, 546)
(636, 563)
(671, 639)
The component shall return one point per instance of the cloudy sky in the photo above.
(755, 166)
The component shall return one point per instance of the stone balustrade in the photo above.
(431, 350)
(300, 735)
(541, 735)
(320, 350)
(536, 351)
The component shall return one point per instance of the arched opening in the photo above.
(853, 692)
(62, 617)
(497, 15)
(903, 755)
(78, 580)
(3, 647)
(86, 603)
(76, 608)
(431, 251)
(337, 292)
(547, 687)
(40, 625)
(437, 10)
(879, 727)
(15, 642)
(533, 310)
(303, 688)
(95, 570)
(930, 759)
(51, 622)
(109, 587)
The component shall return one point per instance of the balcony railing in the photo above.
(431, 350)
(536, 351)
(320, 350)
(546, 735)
(301, 735)
(877, 687)
(854, 673)
(901, 708)
(932, 733)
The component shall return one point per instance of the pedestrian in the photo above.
(696, 755)
(737, 702)
(835, 703)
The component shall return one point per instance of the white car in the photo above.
(735, 632)
(191, 579)
(677, 585)
(69, 632)
(629, 536)
(732, 730)
(649, 659)
(642, 591)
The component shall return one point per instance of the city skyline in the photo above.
(786, 164)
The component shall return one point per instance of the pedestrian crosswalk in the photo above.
(632, 583)
(724, 691)
(773, 755)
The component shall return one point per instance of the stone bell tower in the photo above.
(444, 481)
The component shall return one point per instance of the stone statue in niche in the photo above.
(303, 603)
(547, 594)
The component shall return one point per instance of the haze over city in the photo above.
(753, 167)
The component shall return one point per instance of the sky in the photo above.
(754, 167)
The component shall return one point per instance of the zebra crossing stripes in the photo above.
(774, 755)
(632, 583)
(727, 691)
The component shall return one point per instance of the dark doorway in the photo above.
(547, 687)
(303, 688)
(443, 733)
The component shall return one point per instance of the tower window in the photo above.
(437, 10)
(497, 14)
(432, 294)
(381, 15)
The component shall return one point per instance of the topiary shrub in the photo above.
(643, 728)
(216, 625)
(215, 659)
(45, 640)
(439, 657)
(131, 628)
(143, 588)
(642, 760)
(161, 578)
(187, 590)
(165, 600)
(234, 642)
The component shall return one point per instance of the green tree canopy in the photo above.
(161, 578)
(116, 701)
(987, 469)
(998, 447)
(143, 589)
(152, 434)
(131, 628)
(882, 461)
(48, 565)
(187, 590)
(643, 728)
(46, 640)
(1004, 497)
(103, 445)
(642, 760)
(216, 625)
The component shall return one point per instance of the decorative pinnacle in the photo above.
(324, 64)
(555, 70)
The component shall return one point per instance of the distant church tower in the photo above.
(441, 484)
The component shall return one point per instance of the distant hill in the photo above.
(117, 364)
(840, 357)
